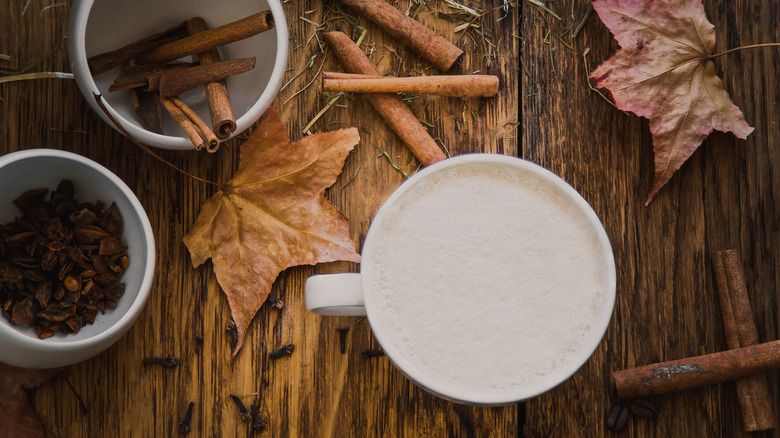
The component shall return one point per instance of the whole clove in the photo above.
(60, 262)
(282, 352)
(259, 422)
(277, 302)
(242, 410)
(372, 353)
(232, 332)
(184, 426)
(167, 362)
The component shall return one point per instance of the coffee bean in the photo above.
(643, 408)
(618, 417)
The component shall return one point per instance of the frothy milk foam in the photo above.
(485, 277)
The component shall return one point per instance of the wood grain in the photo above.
(725, 196)
(317, 391)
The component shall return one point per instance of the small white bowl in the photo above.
(45, 168)
(97, 26)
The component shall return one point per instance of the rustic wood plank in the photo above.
(369, 396)
(317, 391)
(725, 196)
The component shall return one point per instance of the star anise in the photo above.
(60, 262)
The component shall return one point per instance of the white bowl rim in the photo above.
(148, 274)
(602, 318)
(77, 29)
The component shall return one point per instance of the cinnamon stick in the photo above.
(390, 107)
(741, 331)
(146, 76)
(693, 372)
(147, 107)
(409, 32)
(223, 121)
(104, 62)
(209, 139)
(210, 39)
(457, 86)
(184, 122)
(341, 75)
(176, 81)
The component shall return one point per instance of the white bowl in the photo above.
(97, 26)
(45, 168)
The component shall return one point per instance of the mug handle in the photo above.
(335, 295)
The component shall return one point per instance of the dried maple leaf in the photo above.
(273, 215)
(664, 72)
(17, 417)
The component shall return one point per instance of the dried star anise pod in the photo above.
(60, 262)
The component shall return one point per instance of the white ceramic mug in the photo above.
(351, 294)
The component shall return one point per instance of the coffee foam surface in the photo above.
(484, 278)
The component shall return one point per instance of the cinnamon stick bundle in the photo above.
(210, 140)
(390, 107)
(223, 121)
(184, 123)
(104, 62)
(740, 329)
(409, 32)
(456, 86)
(196, 129)
(693, 372)
(176, 81)
(210, 39)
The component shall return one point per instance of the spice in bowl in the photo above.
(60, 262)
(155, 82)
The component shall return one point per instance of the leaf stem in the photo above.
(99, 100)
(752, 46)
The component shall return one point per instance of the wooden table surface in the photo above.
(726, 196)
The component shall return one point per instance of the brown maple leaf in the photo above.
(664, 72)
(17, 417)
(273, 215)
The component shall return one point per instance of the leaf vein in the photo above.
(648, 26)
(669, 70)
(286, 225)
(279, 177)
(682, 122)
(696, 28)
